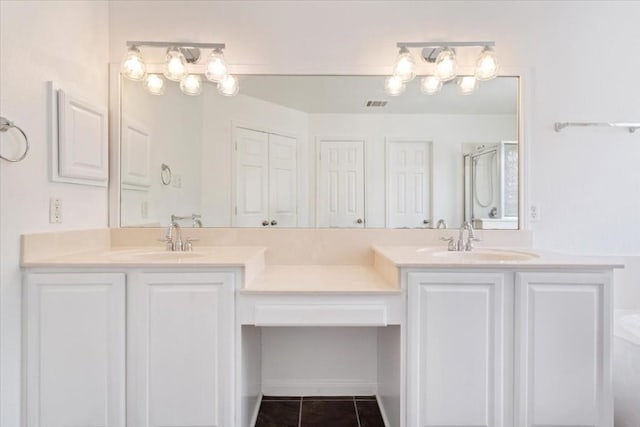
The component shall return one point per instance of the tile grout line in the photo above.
(355, 405)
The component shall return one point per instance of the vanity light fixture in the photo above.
(181, 65)
(443, 57)
(154, 83)
(133, 66)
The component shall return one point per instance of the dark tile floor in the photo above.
(319, 411)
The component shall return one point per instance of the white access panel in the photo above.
(341, 184)
(252, 178)
(408, 184)
(283, 182)
(75, 350)
(136, 154)
(82, 143)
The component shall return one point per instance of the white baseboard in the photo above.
(385, 420)
(254, 417)
(307, 388)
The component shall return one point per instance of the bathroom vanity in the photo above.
(136, 336)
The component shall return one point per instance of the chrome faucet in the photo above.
(441, 224)
(462, 245)
(467, 245)
(173, 239)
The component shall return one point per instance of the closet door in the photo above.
(252, 178)
(282, 181)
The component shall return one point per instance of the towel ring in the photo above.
(165, 174)
(5, 125)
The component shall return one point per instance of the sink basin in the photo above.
(486, 255)
(155, 256)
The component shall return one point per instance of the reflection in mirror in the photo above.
(320, 151)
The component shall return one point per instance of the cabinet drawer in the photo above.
(320, 315)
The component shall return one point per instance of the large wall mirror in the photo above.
(321, 151)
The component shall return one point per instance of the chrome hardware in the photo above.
(359, 221)
(451, 246)
(188, 244)
(441, 224)
(265, 223)
(5, 125)
(174, 239)
(195, 218)
(168, 243)
(460, 244)
(274, 222)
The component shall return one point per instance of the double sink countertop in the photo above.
(382, 276)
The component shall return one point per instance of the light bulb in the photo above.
(216, 66)
(133, 66)
(446, 65)
(394, 86)
(467, 85)
(405, 66)
(154, 84)
(228, 86)
(430, 85)
(191, 84)
(175, 68)
(487, 64)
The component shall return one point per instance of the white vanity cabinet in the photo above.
(180, 349)
(509, 348)
(563, 338)
(75, 349)
(459, 349)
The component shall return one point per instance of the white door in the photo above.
(180, 350)
(283, 184)
(408, 184)
(341, 184)
(252, 178)
(564, 350)
(459, 349)
(75, 344)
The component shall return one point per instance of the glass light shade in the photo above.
(405, 66)
(175, 67)
(446, 65)
(133, 66)
(394, 86)
(191, 84)
(228, 86)
(467, 85)
(430, 85)
(154, 84)
(216, 66)
(487, 65)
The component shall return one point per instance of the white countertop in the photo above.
(218, 256)
(320, 278)
(439, 257)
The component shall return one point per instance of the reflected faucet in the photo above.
(441, 224)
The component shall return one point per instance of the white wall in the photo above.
(447, 133)
(66, 42)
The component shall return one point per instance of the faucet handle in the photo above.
(452, 243)
(188, 244)
(168, 243)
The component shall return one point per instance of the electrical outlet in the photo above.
(55, 210)
(144, 209)
(534, 213)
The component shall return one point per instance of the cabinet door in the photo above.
(459, 355)
(75, 350)
(563, 341)
(180, 350)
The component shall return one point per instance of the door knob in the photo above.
(274, 222)
(359, 221)
(265, 223)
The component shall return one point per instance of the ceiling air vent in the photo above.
(375, 103)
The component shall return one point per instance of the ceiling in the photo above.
(349, 94)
